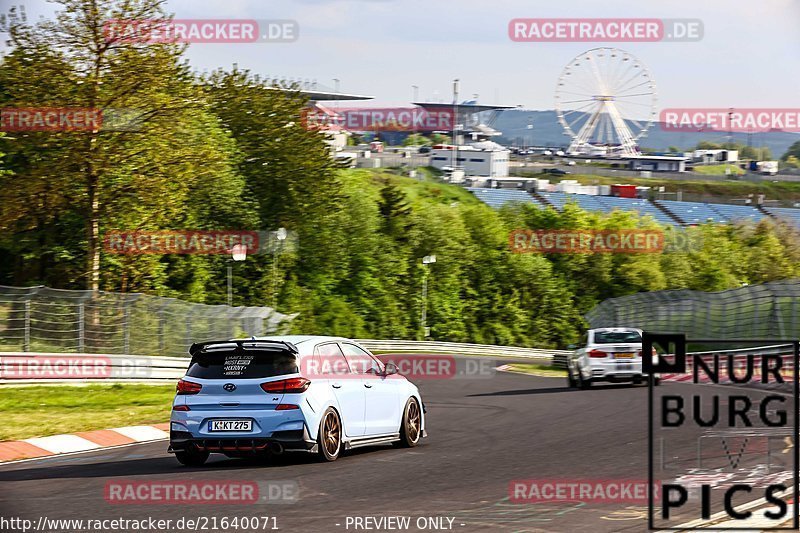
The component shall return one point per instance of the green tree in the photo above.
(105, 178)
(416, 139)
(793, 151)
(395, 211)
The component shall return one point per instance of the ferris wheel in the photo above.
(606, 101)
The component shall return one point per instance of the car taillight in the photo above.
(187, 387)
(286, 407)
(598, 353)
(181, 408)
(290, 385)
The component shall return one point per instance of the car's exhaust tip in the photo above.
(276, 448)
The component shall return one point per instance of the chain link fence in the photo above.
(41, 319)
(771, 310)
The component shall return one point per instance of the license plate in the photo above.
(625, 355)
(230, 425)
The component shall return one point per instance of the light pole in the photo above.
(238, 253)
(530, 133)
(414, 90)
(280, 236)
(455, 128)
(427, 260)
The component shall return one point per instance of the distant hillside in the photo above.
(549, 132)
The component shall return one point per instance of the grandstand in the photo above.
(738, 212)
(589, 202)
(497, 197)
(692, 212)
(644, 207)
(785, 213)
(666, 212)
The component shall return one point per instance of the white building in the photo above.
(484, 158)
(657, 163)
(715, 156)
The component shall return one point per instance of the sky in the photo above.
(748, 56)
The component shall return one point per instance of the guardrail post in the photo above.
(161, 329)
(81, 332)
(188, 329)
(26, 344)
(126, 330)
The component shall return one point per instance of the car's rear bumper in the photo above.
(294, 440)
(619, 377)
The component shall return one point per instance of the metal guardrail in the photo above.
(460, 348)
(27, 367)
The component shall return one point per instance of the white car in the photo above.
(607, 354)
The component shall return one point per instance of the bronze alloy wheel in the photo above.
(414, 421)
(330, 436)
(411, 426)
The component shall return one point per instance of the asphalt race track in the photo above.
(483, 433)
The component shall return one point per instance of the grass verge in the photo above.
(42, 410)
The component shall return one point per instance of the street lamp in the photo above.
(455, 129)
(280, 236)
(427, 260)
(238, 253)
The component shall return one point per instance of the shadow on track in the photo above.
(554, 390)
(166, 464)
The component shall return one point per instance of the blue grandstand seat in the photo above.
(737, 212)
(499, 197)
(789, 214)
(607, 204)
(693, 212)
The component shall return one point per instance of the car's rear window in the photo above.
(611, 337)
(242, 364)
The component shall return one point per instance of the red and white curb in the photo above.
(80, 442)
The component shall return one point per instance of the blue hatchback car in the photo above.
(268, 395)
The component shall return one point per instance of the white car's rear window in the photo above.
(613, 337)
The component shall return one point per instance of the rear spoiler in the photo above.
(202, 346)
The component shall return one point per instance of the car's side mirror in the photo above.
(390, 369)
(572, 346)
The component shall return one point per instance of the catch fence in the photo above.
(770, 310)
(41, 319)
